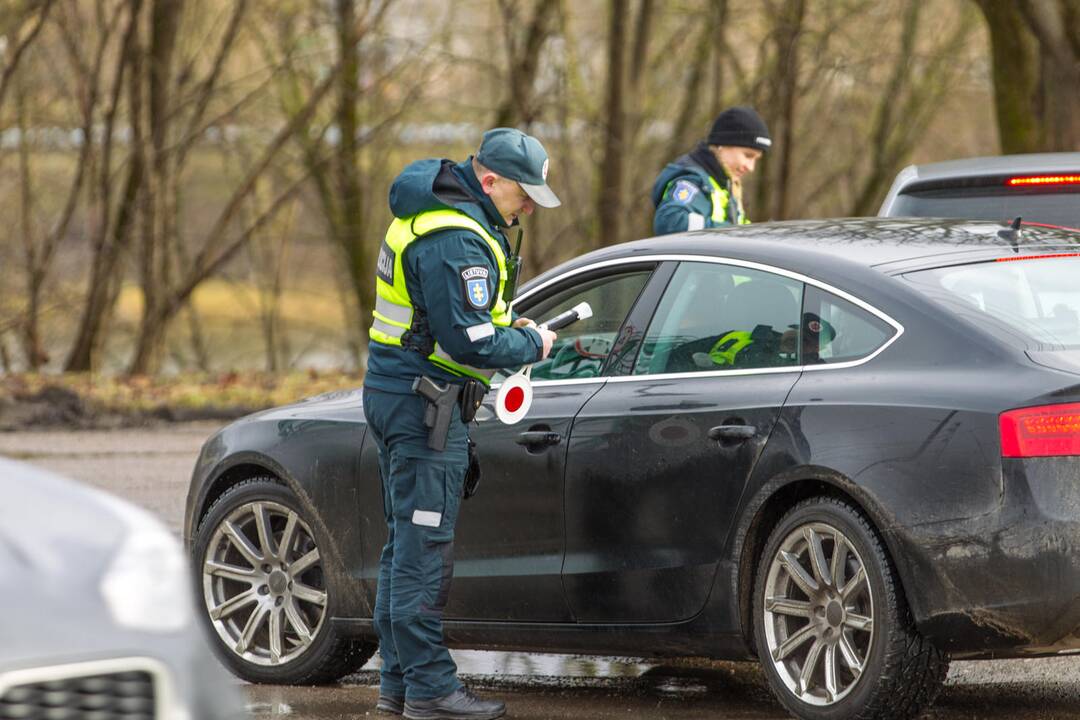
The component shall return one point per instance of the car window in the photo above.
(1032, 301)
(581, 348)
(1044, 205)
(834, 330)
(722, 317)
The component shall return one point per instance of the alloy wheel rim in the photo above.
(263, 583)
(819, 614)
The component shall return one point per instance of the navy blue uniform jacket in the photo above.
(437, 270)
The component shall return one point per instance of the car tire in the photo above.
(826, 596)
(250, 590)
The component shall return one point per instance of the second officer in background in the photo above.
(703, 188)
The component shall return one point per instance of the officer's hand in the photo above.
(548, 338)
(523, 322)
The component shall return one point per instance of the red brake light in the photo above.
(1042, 431)
(1043, 180)
(1036, 257)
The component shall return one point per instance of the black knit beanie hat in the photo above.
(742, 127)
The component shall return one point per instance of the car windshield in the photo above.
(1043, 205)
(1033, 300)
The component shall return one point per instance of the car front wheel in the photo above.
(265, 596)
(831, 625)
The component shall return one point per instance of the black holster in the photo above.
(472, 396)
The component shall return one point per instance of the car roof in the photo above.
(832, 247)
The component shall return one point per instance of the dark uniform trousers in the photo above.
(421, 499)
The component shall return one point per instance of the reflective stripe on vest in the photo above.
(720, 198)
(393, 314)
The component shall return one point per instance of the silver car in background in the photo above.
(1040, 188)
(97, 615)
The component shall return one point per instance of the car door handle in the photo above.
(538, 438)
(732, 432)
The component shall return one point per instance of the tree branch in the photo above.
(20, 49)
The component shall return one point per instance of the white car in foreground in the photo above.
(97, 617)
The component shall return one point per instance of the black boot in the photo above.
(458, 705)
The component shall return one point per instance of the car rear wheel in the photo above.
(265, 596)
(831, 625)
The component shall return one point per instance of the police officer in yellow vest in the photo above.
(441, 325)
(703, 188)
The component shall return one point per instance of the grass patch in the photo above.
(88, 400)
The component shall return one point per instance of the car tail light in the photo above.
(1036, 257)
(1042, 431)
(1043, 180)
(1029, 223)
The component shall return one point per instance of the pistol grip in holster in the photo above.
(441, 401)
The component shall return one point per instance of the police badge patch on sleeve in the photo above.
(475, 286)
(684, 192)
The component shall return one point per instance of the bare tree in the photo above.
(779, 89)
(35, 265)
(911, 99)
(157, 90)
(112, 218)
(174, 283)
(609, 204)
(707, 56)
(519, 106)
(1035, 48)
(218, 246)
(40, 252)
(36, 12)
(347, 161)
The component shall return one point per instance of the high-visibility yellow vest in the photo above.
(393, 314)
(720, 198)
(730, 345)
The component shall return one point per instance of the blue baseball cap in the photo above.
(521, 158)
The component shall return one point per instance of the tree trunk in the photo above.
(1014, 53)
(5, 356)
(104, 274)
(719, 12)
(781, 89)
(609, 198)
(1056, 26)
(33, 349)
(518, 106)
(110, 241)
(351, 222)
(158, 211)
(789, 30)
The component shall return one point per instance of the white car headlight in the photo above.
(146, 586)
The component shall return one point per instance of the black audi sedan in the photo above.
(848, 448)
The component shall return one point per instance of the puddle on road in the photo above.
(269, 709)
(686, 678)
(542, 686)
(487, 668)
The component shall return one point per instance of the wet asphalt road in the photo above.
(152, 467)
